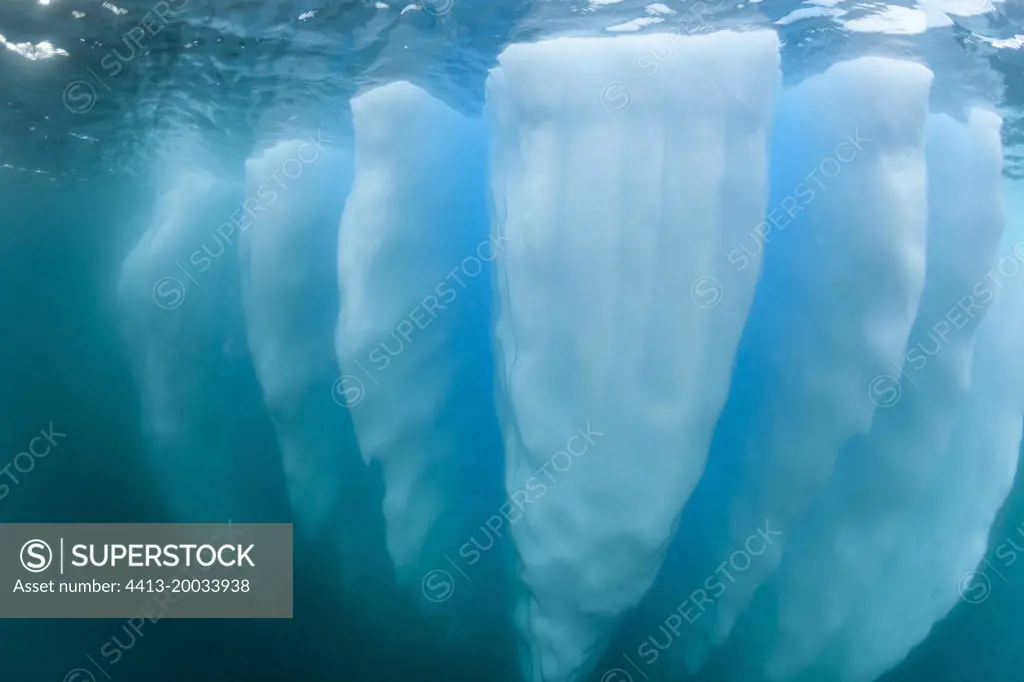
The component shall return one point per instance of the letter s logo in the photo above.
(36, 556)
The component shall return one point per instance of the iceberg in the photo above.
(848, 198)
(183, 330)
(287, 227)
(881, 478)
(654, 346)
(624, 171)
(973, 423)
(412, 340)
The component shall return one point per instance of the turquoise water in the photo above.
(604, 341)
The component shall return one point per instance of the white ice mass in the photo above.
(845, 241)
(612, 210)
(883, 478)
(649, 294)
(964, 440)
(176, 296)
(414, 264)
(287, 226)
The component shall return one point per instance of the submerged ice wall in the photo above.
(414, 267)
(882, 478)
(972, 427)
(848, 198)
(648, 292)
(412, 331)
(833, 452)
(288, 239)
(613, 378)
(202, 417)
(872, 563)
(294, 193)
